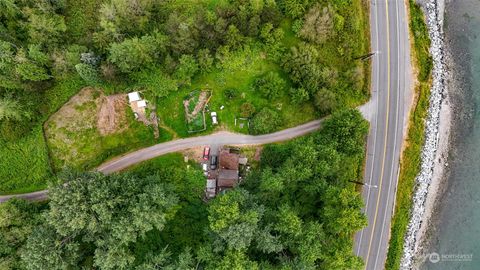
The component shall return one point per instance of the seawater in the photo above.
(454, 235)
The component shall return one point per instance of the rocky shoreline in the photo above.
(436, 138)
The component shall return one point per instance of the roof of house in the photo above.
(222, 183)
(133, 96)
(228, 160)
(227, 178)
(141, 104)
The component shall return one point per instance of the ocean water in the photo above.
(454, 237)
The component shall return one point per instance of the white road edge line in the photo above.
(395, 137)
(377, 74)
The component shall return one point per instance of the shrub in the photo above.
(271, 85)
(265, 121)
(230, 93)
(247, 110)
(88, 73)
(299, 95)
(325, 101)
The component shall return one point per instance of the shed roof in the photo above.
(133, 96)
(243, 160)
(226, 183)
(228, 160)
(227, 178)
(141, 104)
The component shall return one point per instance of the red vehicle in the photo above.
(206, 153)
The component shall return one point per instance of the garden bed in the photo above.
(194, 105)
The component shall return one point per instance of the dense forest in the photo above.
(278, 63)
(297, 210)
(303, 53)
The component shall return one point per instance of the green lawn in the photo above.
(24, 164)
(243, 68)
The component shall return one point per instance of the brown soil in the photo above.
(202, 99)
(81, 106)
(111, 117)
(195, 154)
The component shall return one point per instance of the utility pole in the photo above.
(363, 184)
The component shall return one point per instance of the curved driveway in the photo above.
(220, 138)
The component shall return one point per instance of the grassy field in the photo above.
(74, 138)
(411, 160)
(25, 165)
(243, 68)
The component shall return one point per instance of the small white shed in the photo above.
(133, 96)
(141, 104)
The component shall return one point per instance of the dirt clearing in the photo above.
(111, 117)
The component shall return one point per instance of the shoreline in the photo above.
(437, 134)
(459, 120)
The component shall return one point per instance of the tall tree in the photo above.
(110, 212)
(186, 69)
(28, 68)
(45, 28)
(18, 219)
(136, 53)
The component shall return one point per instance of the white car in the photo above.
(214, 118)
(205, 167)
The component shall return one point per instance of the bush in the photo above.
(299, 95)
(265, 121)
(247, 110)
(88, 73)
(325, 101)
(230, 93)
(271, 85)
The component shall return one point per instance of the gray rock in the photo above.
(434, 15)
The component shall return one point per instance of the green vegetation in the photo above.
(297, 209)
(411, 160)
(277, 55)
(77, 138)
(23, 151)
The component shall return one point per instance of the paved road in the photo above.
(220, 138)
(387, 111)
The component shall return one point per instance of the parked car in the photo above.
(213, 162)
(206, 153)
(205, 167)
(214, 118)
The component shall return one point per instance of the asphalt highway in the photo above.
(387, 113)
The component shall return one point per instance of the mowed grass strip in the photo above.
(411, 160)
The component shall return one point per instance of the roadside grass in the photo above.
(411, 159)
(24, 163)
